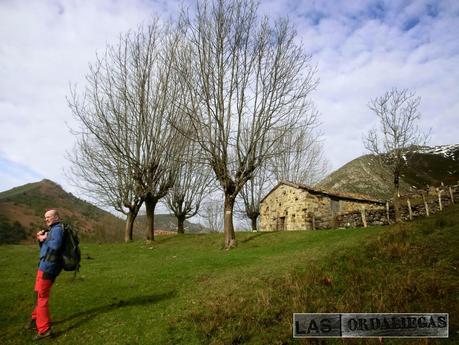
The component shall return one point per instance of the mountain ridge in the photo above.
(26, 204)
(22, 209)
(424, 166)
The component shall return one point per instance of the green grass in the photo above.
(187, 290)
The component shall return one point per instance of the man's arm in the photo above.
(55, 238)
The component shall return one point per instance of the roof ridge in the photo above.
(362, 197)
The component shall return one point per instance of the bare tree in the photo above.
(253, 192)
(127, 108)
(105, 179)
(398, 132)
(301, 158)
(193, 183)
(212, 215)
(248, 83)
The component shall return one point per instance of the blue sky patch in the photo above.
(12, 174)
(410, 23)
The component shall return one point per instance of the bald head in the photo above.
(51, 217)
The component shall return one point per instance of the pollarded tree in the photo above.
(157, 86)
(398, 132)
(253, 192)
(249, 84)
(192, 184)
(105, 179)
(127, 108)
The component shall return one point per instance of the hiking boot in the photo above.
(43, 335)
(31, 325)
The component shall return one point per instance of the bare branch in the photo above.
(248, 84)
(398, 132)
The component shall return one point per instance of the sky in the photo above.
(361, 49)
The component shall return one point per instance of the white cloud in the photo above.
(365, 48)
(45, 46)
(362, 48)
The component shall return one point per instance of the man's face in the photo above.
(50, 218)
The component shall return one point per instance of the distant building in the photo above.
(292, 206)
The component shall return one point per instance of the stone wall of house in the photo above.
(286, 203)
(290, 208)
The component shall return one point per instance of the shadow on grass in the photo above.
(250, 238)
(89, 314)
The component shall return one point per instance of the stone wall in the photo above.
(415, 201)
(283, 209)
(290, 208)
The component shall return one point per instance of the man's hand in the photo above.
(42, 235)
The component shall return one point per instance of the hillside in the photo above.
(22, 209)
(187, 290)
(165, 223)
(424, 166)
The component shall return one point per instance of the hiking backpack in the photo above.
(71, 254)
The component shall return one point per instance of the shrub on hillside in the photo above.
(11, 233)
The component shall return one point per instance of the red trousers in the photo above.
(41, 312)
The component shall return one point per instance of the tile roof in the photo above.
(340, 195)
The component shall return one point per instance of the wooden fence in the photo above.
(421, 203)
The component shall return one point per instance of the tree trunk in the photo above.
(129, 226)
(254, 222)
(228, 227)
(150, 204)
(180, 224)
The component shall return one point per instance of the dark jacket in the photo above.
(50, 251)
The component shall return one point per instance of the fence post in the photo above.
(387, 211)
(451, 195)
(425, 204)
(364, 219)
(410, 211)
(439, 199)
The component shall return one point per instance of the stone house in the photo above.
(292, 206)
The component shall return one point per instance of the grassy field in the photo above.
(187, 290)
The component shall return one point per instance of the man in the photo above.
(49, 267)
